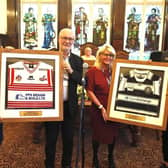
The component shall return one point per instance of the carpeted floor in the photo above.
(18, 151)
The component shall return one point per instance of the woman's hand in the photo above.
(104, 114)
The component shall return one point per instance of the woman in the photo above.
(98, 83)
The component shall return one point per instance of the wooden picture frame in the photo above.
(31, 85)
(138, 93)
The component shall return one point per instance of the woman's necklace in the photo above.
(108, 80)
(107, 75)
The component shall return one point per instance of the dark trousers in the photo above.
(1, 133)
(52, 131)
(165, 144)
(37, 130)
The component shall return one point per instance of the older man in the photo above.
(72, 76)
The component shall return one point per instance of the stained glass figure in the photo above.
(133, 21)
(152, 36)
(49, 33)
(100, 28)
(30, 35)
(81, 25)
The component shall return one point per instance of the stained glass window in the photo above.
(143, 27)
(91, 21)
(38, 24)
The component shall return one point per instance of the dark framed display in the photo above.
(138, 93)
(31, 85)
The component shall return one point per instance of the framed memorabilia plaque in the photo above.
(138, 93)
(31, 85)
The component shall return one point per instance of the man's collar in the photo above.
(67, 56)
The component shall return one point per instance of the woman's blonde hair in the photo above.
(101, 50)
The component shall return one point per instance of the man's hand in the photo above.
(67, 67)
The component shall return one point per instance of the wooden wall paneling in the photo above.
(118, 16)
(3, 39)
(64, 14)
(18, 18)
(11, 38)
(12, 21)
(112, 24)
(165, 39)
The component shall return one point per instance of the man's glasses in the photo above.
(67, 38)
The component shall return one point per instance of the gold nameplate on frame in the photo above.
(30, 113)
(134, 117)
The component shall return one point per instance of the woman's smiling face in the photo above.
(106, 57)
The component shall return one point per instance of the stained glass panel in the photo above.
(38, 25)
(132, 27)
(48, 21)
(91, 1)
(29, 28)
(100, 24)
(143, 27)
(81, 24)
(152, 27)
(91, 22)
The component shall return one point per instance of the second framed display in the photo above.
(138, 93)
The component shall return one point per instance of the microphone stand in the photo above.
(81, 128)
